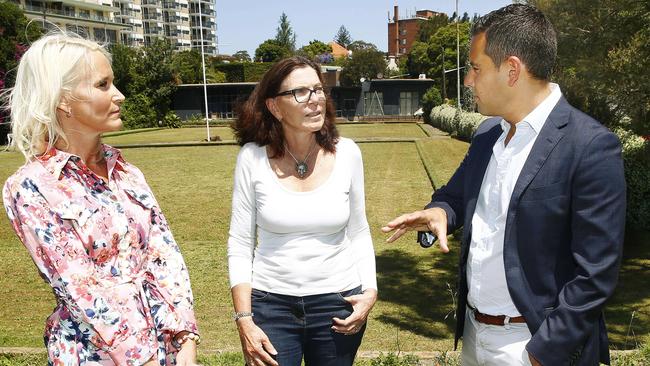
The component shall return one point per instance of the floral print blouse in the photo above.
(121, 285)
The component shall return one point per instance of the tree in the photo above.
(123, 59)
(427, 57)
(343, 37)
(603, 58)
(242, 56)
(365, 63)
(430, 26)
(153, 77)
(430, 99)
(271, 51)
(15, 35)
(418, 60)
(315, 48)
(137, 112)
(361, 45)
(285, 36)
(187, 67)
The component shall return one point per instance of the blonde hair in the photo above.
(49, 70)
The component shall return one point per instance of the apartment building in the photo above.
(132, 22)
(403, 31)
(92, 18)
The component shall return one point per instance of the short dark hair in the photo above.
(256, 123)
(523, 31)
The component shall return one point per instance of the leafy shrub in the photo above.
(243, 71)
(195, 119)
(430, 99)
(137, 112)
(392, 359)
(171, 120)
(458, 124)
(636, 157)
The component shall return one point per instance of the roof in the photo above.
(338, 50)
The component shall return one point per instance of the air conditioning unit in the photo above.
(422, 76)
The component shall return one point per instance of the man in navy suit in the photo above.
(541, 197)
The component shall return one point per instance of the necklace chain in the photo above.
(301, 166)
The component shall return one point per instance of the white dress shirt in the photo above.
(486, 278)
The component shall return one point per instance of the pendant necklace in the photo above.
(301, 166)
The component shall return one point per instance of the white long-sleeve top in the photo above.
(300, 243)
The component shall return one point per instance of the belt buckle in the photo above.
(506, 322)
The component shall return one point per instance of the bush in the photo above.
(636, 157)
(171, 120)
(458, 124)
(243, 71)
(392, 359)
(137, 112)
(430, 99)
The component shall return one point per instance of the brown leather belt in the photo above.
(496, 319)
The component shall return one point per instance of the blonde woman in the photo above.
(89, 220)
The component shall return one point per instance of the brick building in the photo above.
(403, 31)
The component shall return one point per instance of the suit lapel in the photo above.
(548, 138)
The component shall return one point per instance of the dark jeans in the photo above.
(301, 325)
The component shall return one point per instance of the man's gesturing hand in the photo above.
(432, 219)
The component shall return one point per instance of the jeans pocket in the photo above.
(343, 294)
(258, 295)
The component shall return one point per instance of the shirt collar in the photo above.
(54, 160)
(538, 116)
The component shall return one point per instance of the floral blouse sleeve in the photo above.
(167, 266)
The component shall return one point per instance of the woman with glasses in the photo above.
(300, 255)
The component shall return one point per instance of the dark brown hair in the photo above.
(523, 31)
(255, 123)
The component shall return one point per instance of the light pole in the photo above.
(205, 86)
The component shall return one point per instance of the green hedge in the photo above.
(238, 72)
(636, 157)
(460, 125)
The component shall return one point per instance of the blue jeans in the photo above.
(300, 326)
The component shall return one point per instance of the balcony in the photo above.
(170, 5)
(70, 14)
(150, 4)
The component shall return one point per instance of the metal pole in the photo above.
(457, 56)
(205, 86)
(444, 81)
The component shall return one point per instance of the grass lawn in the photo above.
(193, 186)
(197, 134)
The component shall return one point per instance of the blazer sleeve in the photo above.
(597, 227)
(450, 197)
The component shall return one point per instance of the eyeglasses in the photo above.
(303, 95)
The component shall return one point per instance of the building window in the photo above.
(403, 51)
(402, 32)
(408, 103)
(373, 103)
(403, 41)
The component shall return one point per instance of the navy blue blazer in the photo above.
(563, 235)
